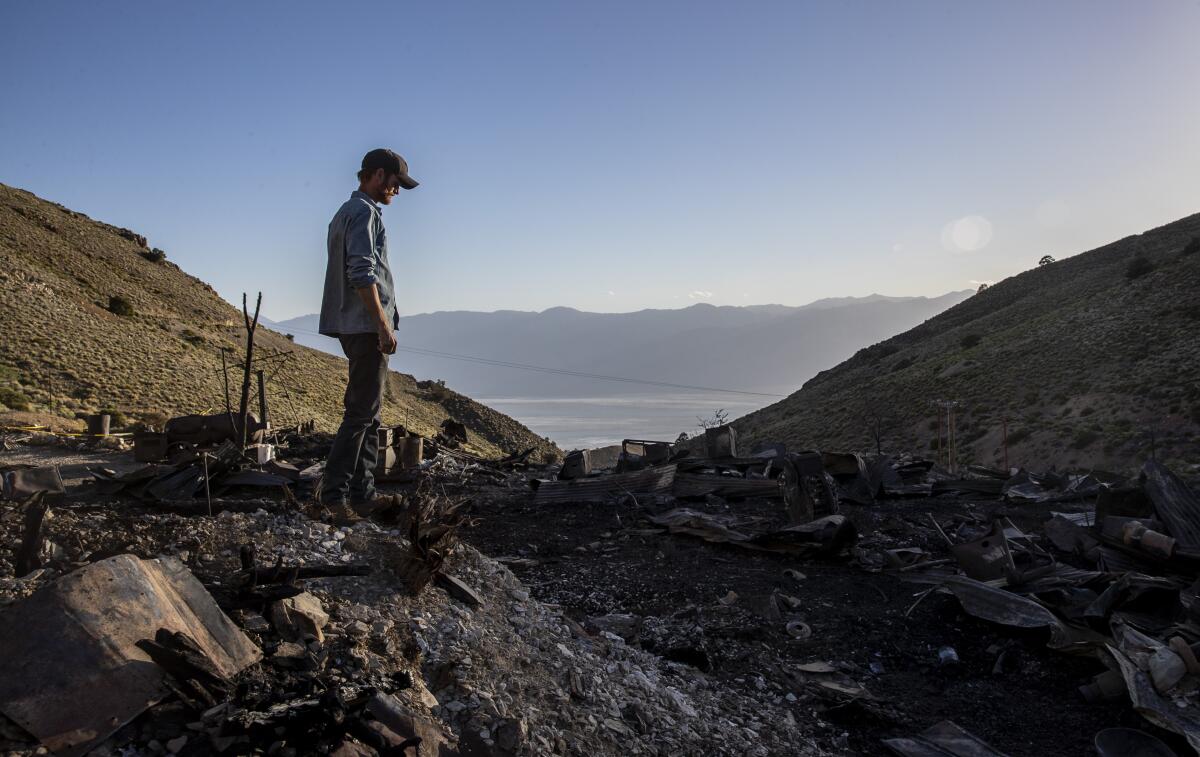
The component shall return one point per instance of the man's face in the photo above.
(383, 187)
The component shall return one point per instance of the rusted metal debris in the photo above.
(652, 481)
(20, 483)
(944, 739)
(826, 535)
(73, 671)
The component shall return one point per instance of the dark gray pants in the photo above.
(350, 470)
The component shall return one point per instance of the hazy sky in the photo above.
(609, 155)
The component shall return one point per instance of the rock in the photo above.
(252, 621)
(390, 737)
(299, 618)
(1166, 669)
(512, 734)
(176, 744)
(357, 629)
(351, 748)
(290, 654)
(406, 723)
(457, 589)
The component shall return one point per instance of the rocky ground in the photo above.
(596, 632)
(1006, 687)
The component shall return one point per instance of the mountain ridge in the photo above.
(1087, 361)
(767, 348)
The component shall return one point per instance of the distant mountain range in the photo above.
(763, 348)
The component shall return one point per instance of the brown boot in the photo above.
(343, 514)
(378, 504)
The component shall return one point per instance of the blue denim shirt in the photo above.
(357, 258)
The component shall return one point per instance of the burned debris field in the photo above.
(657, 599)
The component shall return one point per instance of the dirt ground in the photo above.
(1008, 689)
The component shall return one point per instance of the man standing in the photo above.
(359, 308)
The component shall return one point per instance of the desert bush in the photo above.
(970, 340)
(154, 256)
(1084, 437)
(1192, 247)
(1139, 265)
(191, 337)
(1046, 260)
(13, 399)
(118, 305)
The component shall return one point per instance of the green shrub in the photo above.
(1139, 265)
(118, 305)
(13, 400)
(154, 256)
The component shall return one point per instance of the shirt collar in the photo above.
(364, 196)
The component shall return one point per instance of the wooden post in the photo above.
(244, 402)
(1004, 431)
(225, 373)
(262, 398)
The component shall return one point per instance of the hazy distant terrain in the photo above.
(768, 348)
(1092, 359)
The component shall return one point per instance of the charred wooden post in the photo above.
(244, 402)
(31, 541)
(225, 374)
(263, 418)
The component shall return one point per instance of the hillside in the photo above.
(765, 348)
(63, 352)
(1092, 359)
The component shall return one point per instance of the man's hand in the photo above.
(383, 326)
(387, 340)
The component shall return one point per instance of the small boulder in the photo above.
(299, 618)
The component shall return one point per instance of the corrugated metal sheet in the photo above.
(604, 488)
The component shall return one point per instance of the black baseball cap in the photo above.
(391, 163)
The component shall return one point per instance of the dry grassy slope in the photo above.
(63, 350)
(1087, 364)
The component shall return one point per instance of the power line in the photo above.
(557, 371)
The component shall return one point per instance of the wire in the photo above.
(557, 371)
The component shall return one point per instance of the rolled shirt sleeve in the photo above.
(360, 250)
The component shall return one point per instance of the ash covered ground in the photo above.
(592, 631)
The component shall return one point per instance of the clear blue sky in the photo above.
(611, 155)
